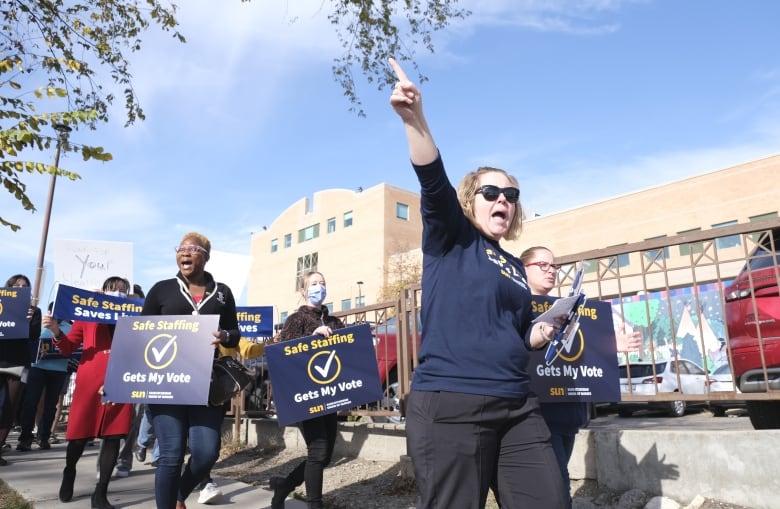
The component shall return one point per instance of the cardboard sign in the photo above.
(587, 369)
(314, 375)
(87, 263)
(71, 303)
(255, 321)
(14, 304)
(161, 359)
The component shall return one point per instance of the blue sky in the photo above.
(581, 100)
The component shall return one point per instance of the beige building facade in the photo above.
(377, 235)
(739, 194)
(347, 235)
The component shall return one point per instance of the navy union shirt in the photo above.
(476, 305)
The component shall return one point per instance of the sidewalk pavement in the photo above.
(36, 475)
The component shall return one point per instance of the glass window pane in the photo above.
(402, 211)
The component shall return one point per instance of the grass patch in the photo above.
(10, 499)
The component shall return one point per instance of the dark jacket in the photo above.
(303, 322)
(172, 297)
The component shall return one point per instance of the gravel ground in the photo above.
(353, 483)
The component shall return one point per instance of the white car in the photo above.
(647, 378)
(721, 380)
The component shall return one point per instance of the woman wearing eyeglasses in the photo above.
(563, 419)
(470, 419)
(192, 291)
(89, 417)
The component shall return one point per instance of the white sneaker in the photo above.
(209, 494)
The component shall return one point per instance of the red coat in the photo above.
(88, 416)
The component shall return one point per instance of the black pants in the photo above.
(320, 437)
(460, 444)
(40, 381)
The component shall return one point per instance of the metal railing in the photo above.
(671, 288)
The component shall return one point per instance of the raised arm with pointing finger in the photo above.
(407, 102)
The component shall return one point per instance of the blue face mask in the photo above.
(317, 295)
(115, 293)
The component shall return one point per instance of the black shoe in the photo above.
(66, 488)
(99, 500)
(45, 445)
(279, 485)
(139, 453)
(24, 446)
(3, 462)
(153, 464)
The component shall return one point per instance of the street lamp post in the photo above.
(360, 293)
(62, 137)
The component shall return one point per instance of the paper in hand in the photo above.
(560, 309)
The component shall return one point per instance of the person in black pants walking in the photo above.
(318, 432)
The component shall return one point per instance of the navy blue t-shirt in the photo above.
(476, 311)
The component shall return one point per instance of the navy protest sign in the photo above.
(314, 375)
(71, 303)
(255, 321)
(14, 303)
(586, 369)
(161, 359)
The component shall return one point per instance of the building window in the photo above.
(282, 317)
(728, 241)
(287, 240)
(329, 305)
(360, 301)
(306, 264)
(691, 247)
(331, 225)
(274, 245)
(620, 260)
(347, 219)
(346, 304)
(761, 217)
(402, 211)
(308, 233)
(656, 255)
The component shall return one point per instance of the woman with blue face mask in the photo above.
(319, 432)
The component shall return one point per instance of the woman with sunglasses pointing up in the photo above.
(470, 419)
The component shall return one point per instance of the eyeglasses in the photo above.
(191, 249)
(491, 193)
(544, 266)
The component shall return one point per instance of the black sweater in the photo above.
(172, 297)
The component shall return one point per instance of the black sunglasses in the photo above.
(512, 194)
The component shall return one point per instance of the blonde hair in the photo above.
(306, 278)
(529, 253)
(199, 239)
(467, 190)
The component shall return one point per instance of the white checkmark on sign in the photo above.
(323, 371)
(159, 354)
